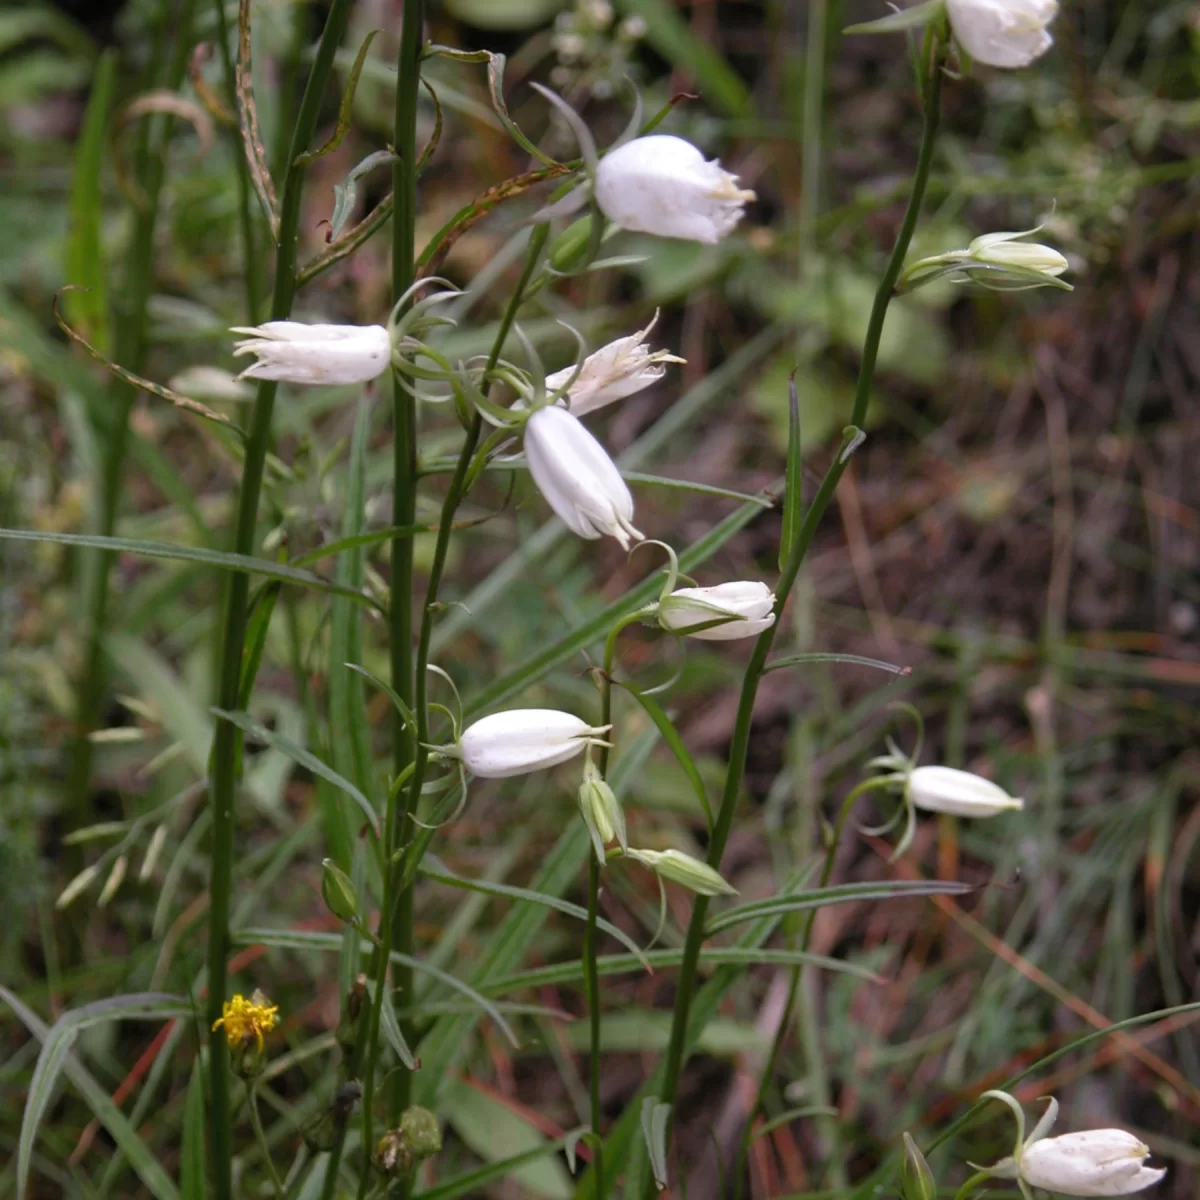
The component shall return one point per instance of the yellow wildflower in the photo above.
(245, 1019)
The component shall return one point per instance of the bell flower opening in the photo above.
(749, 605)
(663, 185)
(521, 740)
(1002, 33)
(292, 352)
(577, 478)
(1094, 1162)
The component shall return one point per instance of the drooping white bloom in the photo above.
(1096, 1162)
(612, 373)
(576, 476)
(750, 602)
(1003, 250)
(292, 352)
(523, 740)
(1002, 33)
(945, 789)
(684, 869)
(663, 185)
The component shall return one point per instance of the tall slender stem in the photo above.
(404, 499)
(129, 351)
(677, 1048)
(227, 743)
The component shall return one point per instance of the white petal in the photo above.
(521, 740)
(948, 790)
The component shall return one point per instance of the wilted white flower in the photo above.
(1002, 33)
(576, 476)
(945, 789)
(292, 352)
(1096, 1162)
(663, 185)
(523, 740)
(612, 372)
(684, 869)
(601, 811)
(1004, 250)
(749, 603)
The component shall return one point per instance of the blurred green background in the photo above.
(1022, 529)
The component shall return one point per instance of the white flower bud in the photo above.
(750, 603)
(1002, 33)
(1097, 1162)
(576, 476)
(944, 789)
(1002, 250)
(684, 869)
(292, 352)
(601, 811)
(663, 185)
(523, 740)
(612, 373)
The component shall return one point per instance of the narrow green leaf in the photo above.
(842, 894)
(394, 1034)
(655, 1116)
(433, 869)
(470, 1183)
(353, 542)
(793, 497)
(670, 735)
(193, 1180)
(345, 193)
(896, 22)
(820, 656)
(670, 35)
(345, 109)
(85, 264)
(303, 757)
(262, 606)
(55, 1059)
(246, 563)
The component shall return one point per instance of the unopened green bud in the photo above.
(916, 1179)
(338, 892)
(568, 247)
(684, 869)
(423, 1131)
(601, 811)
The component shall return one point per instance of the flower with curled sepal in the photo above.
(293, 352)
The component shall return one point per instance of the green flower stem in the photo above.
(405, 479)
(129, 350)
(227, 742)
(971, 1184)
(677, 1049)
(261, 1137)
(781, 1030)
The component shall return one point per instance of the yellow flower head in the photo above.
(246, 1019)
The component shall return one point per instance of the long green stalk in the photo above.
(404, 499)
(677, 1048)
(129, 350)
(227, 743)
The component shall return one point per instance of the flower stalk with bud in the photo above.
(1000, 261)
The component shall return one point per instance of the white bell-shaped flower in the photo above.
(523, 740)
(292, 352)
(749, 605)
(948, 790)
(1002, 33)
(612, 373)
(1004, 250)
(663, 185)
(1096, 1162)
(577, 477)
